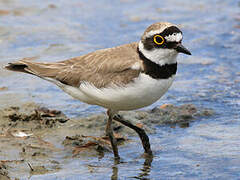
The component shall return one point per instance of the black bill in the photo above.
(180, 48)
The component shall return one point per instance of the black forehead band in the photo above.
(149, 44)
(170, 30)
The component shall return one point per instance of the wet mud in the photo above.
(31, 136)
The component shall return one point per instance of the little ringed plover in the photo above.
(127, 77)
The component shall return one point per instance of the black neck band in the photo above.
(157, 71)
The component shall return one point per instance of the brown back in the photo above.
(101, 68)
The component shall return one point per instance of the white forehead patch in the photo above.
(153, 32)
(175, 37)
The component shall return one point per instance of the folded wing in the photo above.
(101, 68)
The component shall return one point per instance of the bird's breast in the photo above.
(143, 91)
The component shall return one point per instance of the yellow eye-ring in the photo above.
(158, 39)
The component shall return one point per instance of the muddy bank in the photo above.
(32, 136)
(3, 172)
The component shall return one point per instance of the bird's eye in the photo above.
(158, 39)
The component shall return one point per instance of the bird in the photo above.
(121, 78)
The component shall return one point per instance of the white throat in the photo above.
(159, 56)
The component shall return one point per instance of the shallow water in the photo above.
(208, 149)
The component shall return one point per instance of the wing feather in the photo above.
(101, 68)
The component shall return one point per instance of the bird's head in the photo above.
(161, 42)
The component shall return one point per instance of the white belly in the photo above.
(142, 92)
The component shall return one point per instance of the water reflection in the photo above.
(114, 172)
(144, 171)
(146, 167)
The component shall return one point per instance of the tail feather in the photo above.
(17, 67)
(34, 68)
